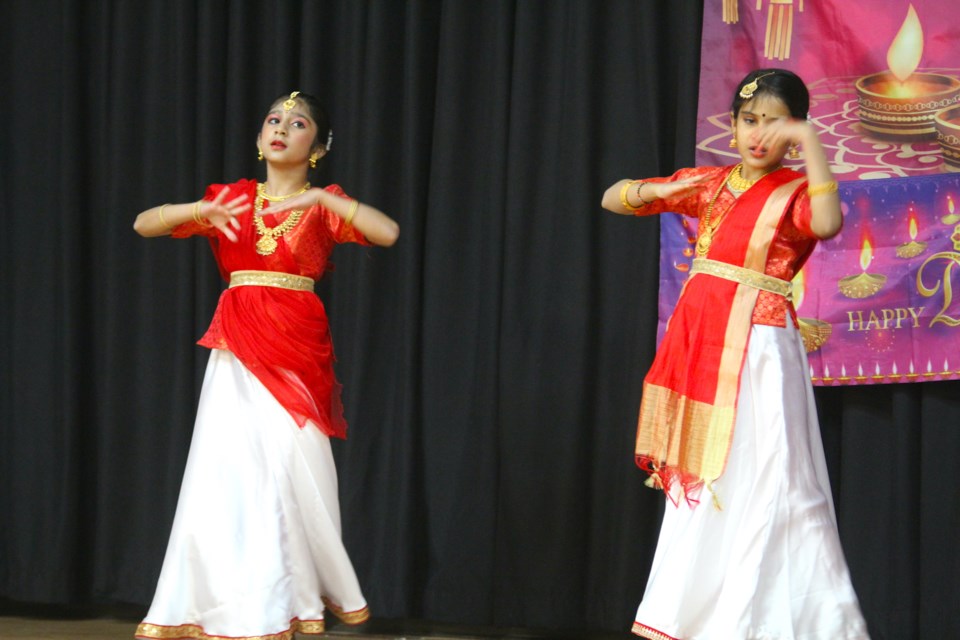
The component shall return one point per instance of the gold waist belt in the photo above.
(741, 275)
(271, 279)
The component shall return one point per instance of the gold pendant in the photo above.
(703, 243)
(266, 245)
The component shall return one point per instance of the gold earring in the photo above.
(794, 153)
(733, 143)
(313, 161)
(259, 154)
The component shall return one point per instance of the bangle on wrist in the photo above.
(640, 184)
(822, 188)
(624, 190)
(196, 215)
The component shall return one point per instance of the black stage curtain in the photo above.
(492, 360)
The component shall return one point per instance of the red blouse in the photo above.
(282, 336)
(792, 246)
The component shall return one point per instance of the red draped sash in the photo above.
(281, 336)
(690, 393)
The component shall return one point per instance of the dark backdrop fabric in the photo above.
(492, 360)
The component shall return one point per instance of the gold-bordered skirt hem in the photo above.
(196, 632)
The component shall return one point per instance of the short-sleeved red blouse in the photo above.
(794, 241)
(282, 336)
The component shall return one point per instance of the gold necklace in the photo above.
(736, 180)
(262, 193)
(738, 183)
(706, 236)
(267, 243)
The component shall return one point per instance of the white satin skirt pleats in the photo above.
(255, 549)
(768, 566)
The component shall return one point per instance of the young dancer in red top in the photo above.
(255, 550)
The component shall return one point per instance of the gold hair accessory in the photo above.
(822, 188)
(733, 143)
(794, 152)
(751, 87)
(354, 205)
(290, 102)
(160, 215)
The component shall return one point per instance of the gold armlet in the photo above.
(822, 188)
(162, 220)
(354, 205)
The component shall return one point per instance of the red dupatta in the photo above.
(281, 336)
(690, 394)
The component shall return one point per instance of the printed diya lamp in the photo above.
(862, 285)
(901, 104)
(951, 217)
(913, 248)
(947, 123)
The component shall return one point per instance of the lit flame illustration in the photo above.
(949, 204)
(799, 288)
(866, 254)
(903, 56)
(913, 227)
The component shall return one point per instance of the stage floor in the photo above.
(17, 628)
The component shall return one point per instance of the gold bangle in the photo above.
(623, 196)
(162, 220)
(354, 205)
(196, 215)
(822, 188)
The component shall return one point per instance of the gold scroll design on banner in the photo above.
(779, 36)
(953, 260)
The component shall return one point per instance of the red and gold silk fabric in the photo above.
(282, 336)
(688, 408)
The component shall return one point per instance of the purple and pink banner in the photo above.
(876, 303)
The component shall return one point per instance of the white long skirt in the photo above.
(769, 565)
(255, 548)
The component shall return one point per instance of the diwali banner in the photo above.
(876, 302)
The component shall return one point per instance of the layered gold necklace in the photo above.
(267, 243)
(706, 236)
(737, 183)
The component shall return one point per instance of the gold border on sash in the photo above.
(251, 278)
(692, 436)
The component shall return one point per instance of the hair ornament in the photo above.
(751, 87)
(290, 102)
(329, 139)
